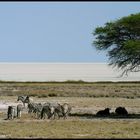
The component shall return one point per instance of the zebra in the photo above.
(35, 108)
(31, 107)
(57, 111)
(28, 99)
(11, 113)
(49, 109)
(66, 108)
(46, 110)
(52, 110)
(63, 110)
(24, 99)
(19, 109)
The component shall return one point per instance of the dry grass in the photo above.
(85, 98)
(71, 129)
(81, 89)
(79, 124)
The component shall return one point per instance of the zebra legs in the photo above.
(18, 114)
(24, 104)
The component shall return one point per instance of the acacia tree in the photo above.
(121, 39)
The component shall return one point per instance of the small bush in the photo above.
(132, 97)
(106, 95)
(52, 94)
(128, 97)
(92, 96)
(117, 90)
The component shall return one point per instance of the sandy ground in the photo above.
(4, 105)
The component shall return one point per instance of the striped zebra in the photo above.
(11, 113)
(24, 99)
(66, 109)
(28, 99)
(49, 110)
(55, 109)
(19, 109)
(63, 110)
(35, 108)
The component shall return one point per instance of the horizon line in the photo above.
(53, 63)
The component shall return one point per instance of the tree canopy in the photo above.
(121, 39)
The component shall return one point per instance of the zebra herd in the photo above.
(40, 110)
(51, 110)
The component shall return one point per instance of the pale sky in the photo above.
(55, 31)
